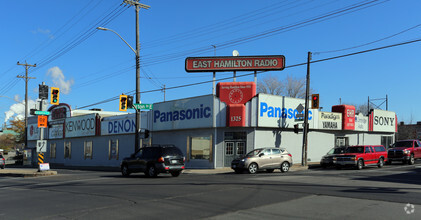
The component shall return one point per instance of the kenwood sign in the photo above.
(80, 126)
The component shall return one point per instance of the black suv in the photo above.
(154, 160)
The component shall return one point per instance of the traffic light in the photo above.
(123, 103)
(43, 91)
(315, 101)
(129, 101)
(146, 133)
(296, 128)
(55, 95)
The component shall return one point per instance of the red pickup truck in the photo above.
(360, 156)
(405, 151)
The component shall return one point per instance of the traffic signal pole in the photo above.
(305, 126)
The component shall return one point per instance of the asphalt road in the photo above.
(371, 193)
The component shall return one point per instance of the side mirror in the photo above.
(261, 154)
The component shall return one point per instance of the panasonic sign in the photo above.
(281, 112)
(182, 114)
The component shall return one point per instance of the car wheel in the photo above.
(388, 162)
(284, 167)
(253, 168)
(360, 164)
(125, 170)
(381, 163)
(151, 171)
(269, 170)
(338, 167)
(411, 160)
(238, 171)
(324, 166)
(175, 173)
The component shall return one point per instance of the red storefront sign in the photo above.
(235, 63)
(348, 115)
(235, 95)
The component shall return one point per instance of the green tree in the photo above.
(18, 126)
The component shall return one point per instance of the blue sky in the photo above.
(91, 66)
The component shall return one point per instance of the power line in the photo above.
(249, 74)
(372, 42)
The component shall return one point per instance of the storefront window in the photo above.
(342, 141)
(87, 150)
(53, 150)
(387, 141)
(201, 148)
(113, 149)
(67, 150)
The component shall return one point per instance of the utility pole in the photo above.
(26, 96)
(137, 6)
(305, 130)
(164, 93)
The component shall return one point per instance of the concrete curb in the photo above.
(33, 172)
(26, 172)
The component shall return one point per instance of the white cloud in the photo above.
(59, 80)
(44, 32)
(18, 109)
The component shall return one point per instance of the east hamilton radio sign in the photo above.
(235, 63)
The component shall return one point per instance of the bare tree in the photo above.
(270, 85)
(290, 86)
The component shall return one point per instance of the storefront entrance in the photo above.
(235, 146)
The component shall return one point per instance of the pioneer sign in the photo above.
(235, 63)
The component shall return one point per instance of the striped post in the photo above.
(40, 158)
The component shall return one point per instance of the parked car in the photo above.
(406, 151)
(154, 160)
(267, 159)
(360, 156)
(327, 160)
(2, 162)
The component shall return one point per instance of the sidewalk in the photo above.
(16, 171)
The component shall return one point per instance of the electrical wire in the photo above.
(372, 42)
(259, 72)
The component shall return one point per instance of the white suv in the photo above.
(267, 159)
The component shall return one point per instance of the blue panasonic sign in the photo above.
(278, 112)
(185, 114)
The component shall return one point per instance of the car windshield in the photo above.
(254, 152)
(339, 150)
(402, 144)
(355, 150)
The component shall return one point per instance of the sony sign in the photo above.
(381, 120)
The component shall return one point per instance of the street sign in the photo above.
(42, 113)
(143, 106)
(42, 121)
(41, 146)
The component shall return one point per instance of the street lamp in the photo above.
(136, 52)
